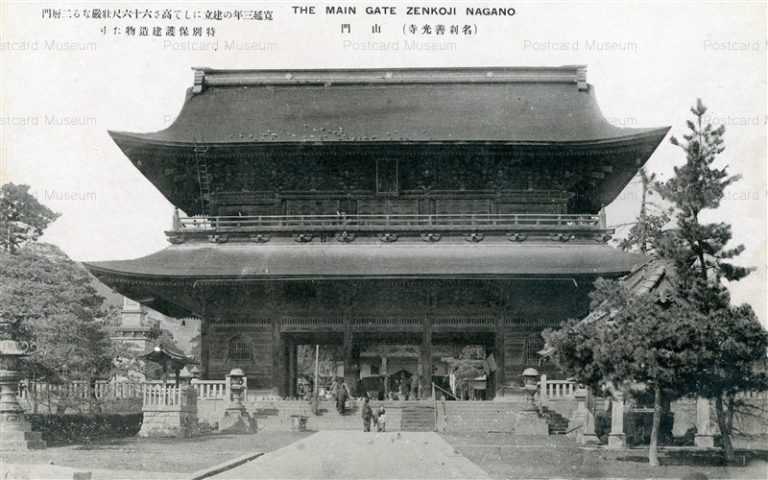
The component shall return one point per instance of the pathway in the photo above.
(345, 454)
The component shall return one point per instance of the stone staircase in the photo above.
(417, 418)
(558, 424)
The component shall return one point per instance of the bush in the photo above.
(603, 425)
(638, 426)
(66, 429)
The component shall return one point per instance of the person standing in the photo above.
(414, 387)
(381, 423)
(342, 395)
(367, 415)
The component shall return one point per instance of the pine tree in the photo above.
(700, 248)
(634, 340)
(22, 217)
(729, 340)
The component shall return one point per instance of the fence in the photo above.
(554, 390)
(162, 396)
(116, 390)
(373, 221)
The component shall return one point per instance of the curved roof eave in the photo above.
(632, 135)
(286, 262)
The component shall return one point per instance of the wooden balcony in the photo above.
(440, 223)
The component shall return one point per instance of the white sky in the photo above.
(56, 104)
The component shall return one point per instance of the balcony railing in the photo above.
(277, 223)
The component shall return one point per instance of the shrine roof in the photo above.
(166, 353)
(232, 262)
(515, 105)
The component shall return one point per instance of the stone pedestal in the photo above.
(617, 441)
(298, 423)
(528, 422)
(583, 416)
(169, 413)
(616, 438)
(237, 420)
(703, 438)
(15, 431)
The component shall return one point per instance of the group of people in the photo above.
(373, 419)
(406, 390)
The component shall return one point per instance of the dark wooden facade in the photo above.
(315, 224)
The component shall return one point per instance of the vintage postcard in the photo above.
(383, 239)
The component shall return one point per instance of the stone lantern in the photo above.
(185, 378)
(15, 431)
(236, 388)
(530, 386)
(529, 421)
(236, 418)
(170, 410)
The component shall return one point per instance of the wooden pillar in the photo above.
(349, 371)
(292, 370)
(498, 354)
(205, 330)
(383, 370)
(278, 359)
(426, 358)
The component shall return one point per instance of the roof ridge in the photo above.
(205, 77)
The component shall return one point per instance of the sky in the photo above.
(65, 81)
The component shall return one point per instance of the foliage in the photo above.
(22, 217)
(159, 336)
(695, 342)
(637, 340)
(68, 429)
(196, 345)
(634, 340)
(731, 340)
(731, 343)
(57, 309)
(700, 248)
(646, 231)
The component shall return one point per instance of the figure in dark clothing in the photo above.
(367, 415)
(342, 394)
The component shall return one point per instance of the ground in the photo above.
(169, 457)
(349, 454)
(509, 456)
(345, 454)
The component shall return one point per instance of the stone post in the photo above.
(617, 439)
(585, 417)
(171, 411)
(15, 431)
(543, 398)
(704, 438)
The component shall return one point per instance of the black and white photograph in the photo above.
(402, 239)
